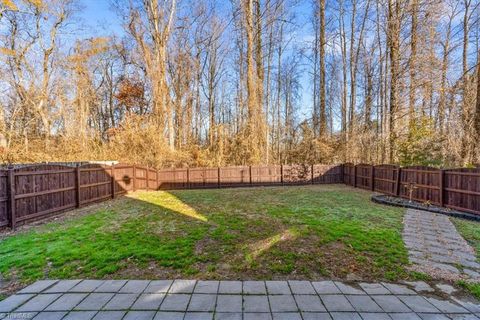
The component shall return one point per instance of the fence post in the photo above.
(373, 177)
(188, 178)
(342, 172)
(250, 174)
(77, 186)
(11, 197)
(134, 188)
(397, 184)
(354, 176)
(113, 180)
(218, 176)
(157, 186)
(148, 181)
(311, 168)
(442, 187)
(281, 174)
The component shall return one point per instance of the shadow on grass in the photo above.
(247, 233)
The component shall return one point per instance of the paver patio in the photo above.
(248, 300)
(436, 247)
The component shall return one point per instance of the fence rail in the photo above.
(457, 189)
(33, 192)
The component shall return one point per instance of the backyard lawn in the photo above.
(304, 232)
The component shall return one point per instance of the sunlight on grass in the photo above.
(261, 246)
(173, 203)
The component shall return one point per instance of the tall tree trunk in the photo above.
(394, 48)
(323, 99)
(413, 64)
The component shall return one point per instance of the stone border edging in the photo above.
(384, 199)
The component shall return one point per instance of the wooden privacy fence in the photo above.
(457, 189)
(33, 192)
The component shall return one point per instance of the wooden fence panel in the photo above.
(349, 174)
(141, 182)
(297, 174)
(173, 179)
(235, 176)
(4, 221)
(266, 175)
(386, 178)
(95, 183)
(327, 174)
(123, 175)
(40, 190)
(462, 189)
(426, 181)
(203, 178)
(364, 176)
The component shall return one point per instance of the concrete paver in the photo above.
(235, 300)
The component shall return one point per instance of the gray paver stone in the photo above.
(374, 316)
(182, 286)
(228, 316)
(301, 287)
(206, 287)
(418, 304)
(326, 287)
(364, 304)
(38, 286)
(345, 316)
(309, 303)
(420, 286)
(62, 286)
(39, 302)
(66, 302)
(348, 289)
(446, 306)
(336, 303)
(20, 315)
(202, 302)
(94, 301)
(111, 286)
(432, 316)
(398, 288)
(50, 315)
(255, 304)
(80, 315)
(198, 316)
(404, 316)
(316, 316)
(254, 287)
(229, 287)
(257, 316)
(139, 315)
(134, 286)
(287, 316)
(148, 301)
(282, 303)
(13, 302)
(109, 315)
(158, 286)
(229, 303)
(175, 302)
(169, 316)
(87, 286)
(277, 287)
(121, 301)
(463, 317)
(391, 304)
(374, 288)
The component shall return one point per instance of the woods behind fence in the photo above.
(34, 192)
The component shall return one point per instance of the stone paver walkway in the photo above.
(233, 300)
(436, 248)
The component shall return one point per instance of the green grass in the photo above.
(470, 230)
(263, 233)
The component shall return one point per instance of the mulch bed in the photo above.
(400, 202)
